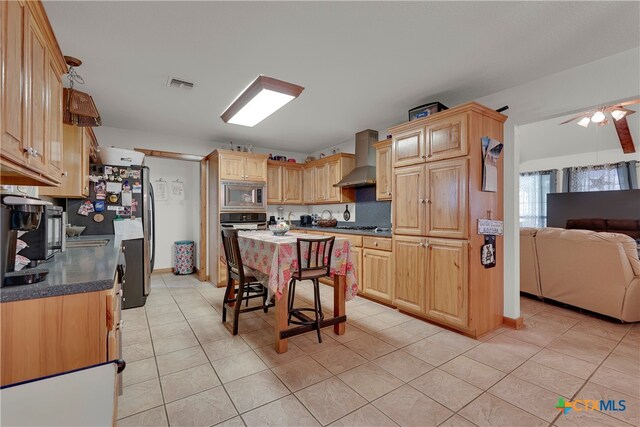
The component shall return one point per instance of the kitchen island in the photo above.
(69, 321)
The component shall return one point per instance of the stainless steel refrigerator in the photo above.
(139, 253)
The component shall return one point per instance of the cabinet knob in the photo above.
(375, 244)
(423, 201)
(429, 155)
(29, 151)
(65, 173)
(427, 200)
(86, 188)
(35, 153)
(424, 156)
(389, 193)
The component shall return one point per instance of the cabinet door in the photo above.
(447, 282)
(409, 148)
(274, 184)
(356, 253)
(384, 173)
(334, 175)
(87, 140)
(309, 186)
(321, 183)
(409, 204)
(377, 274)
(37, 68)
(75, 163)
(447, 138)
(12, 114)
(255, 169)
(409, 278)
(232, 167)
(447, 212)
(54, 131)
(292, 185)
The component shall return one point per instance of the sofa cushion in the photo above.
(594, 224)
(587, 269)
(630, 227)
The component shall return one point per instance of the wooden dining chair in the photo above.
(314, 262)
(242, 285)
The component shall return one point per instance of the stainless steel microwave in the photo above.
(243, 196)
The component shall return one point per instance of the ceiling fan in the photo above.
(618, 114)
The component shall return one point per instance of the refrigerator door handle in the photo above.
(153, 227)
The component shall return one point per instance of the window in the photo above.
(607, 177)
(534, 187)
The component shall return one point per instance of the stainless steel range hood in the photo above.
(365, 172)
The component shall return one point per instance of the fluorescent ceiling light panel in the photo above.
(263, 97)
(584, 122)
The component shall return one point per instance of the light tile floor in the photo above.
(185, 369)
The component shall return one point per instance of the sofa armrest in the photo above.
(631, 304)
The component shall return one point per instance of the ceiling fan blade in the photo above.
(632, 102)
(585, 114)
(624, 135)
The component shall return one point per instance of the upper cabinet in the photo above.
(431, 140)
(284, 182)
(327, 172)
(78, 143)
(237, 166)
(310, 183)
(31, 96)
(384, 170)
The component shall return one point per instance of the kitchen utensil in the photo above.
(346, 215)
(327, 222)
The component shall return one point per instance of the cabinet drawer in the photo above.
(381, 243)
(355, 240)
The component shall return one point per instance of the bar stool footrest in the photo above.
(303, 319)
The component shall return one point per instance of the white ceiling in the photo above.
(548, 138)
(363, 64)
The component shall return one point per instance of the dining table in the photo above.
(274, 259)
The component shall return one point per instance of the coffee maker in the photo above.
(19, 214)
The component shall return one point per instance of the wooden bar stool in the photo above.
(314, 262)
(247, 287)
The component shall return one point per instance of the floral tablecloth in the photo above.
(276, 258)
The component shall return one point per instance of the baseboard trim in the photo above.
(170, 270)
(512, 323)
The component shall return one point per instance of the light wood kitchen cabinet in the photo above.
(410, 272)
(242, 166)
(447, 282)
(356, 253)
(30, 97)
(320, 185)
(433, 201)
(334, 175)
(437, 270)
(274, 183)
(447, 138)
(446, 200)
(377, 274)
(284, 183)
(409, 148)
(47, 336)
(384, 170)
(77, 142)
(308, 186)
(409, 210)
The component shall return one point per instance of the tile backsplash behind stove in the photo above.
(365, 211)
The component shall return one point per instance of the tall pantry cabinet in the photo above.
(437, 201)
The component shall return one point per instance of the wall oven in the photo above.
(242, 196)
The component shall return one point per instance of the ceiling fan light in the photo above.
(618, 114)
(598, 117)
(584, 122)
(263, 97)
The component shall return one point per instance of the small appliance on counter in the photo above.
(306, 221)
(47, 239)
(19, 214)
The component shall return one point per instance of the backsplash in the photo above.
(366, 211)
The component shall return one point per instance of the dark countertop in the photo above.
(343, 231)
(75, 271)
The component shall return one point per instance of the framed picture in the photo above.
(425, 110)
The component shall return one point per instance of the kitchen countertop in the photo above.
(343, 231)
(75, 271)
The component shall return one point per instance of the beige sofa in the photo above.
(596, 271)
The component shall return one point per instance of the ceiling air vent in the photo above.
(180, 84)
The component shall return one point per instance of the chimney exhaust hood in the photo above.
(364, 174)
